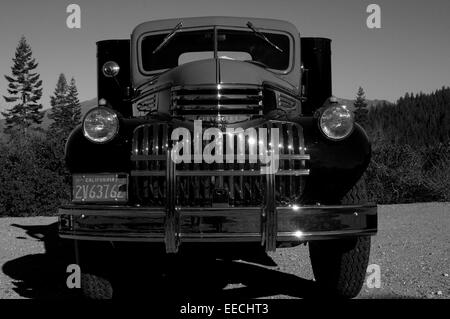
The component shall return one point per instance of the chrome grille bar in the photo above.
(172, 220)
(213, 99)
(269, 214)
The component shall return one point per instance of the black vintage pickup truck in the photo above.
(220, 130)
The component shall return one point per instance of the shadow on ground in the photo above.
(43, 276)
(154, 276)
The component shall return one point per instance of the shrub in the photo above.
(436, 170)
(402, 174)
(33, 180)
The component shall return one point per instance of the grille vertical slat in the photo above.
(269, 220)
(290, 151)
(302, 151)
(135, 152)
(147, 183)
(230, 166)
(282, 150)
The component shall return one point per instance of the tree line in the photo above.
(419, 120)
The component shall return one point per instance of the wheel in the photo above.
(95, 287)
(94, 260)
(339, 266)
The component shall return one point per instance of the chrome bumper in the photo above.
(240, 224)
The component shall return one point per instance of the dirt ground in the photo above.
(412, 249)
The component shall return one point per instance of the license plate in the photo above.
(100, 188)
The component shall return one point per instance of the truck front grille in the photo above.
(216, 184)
(217, 99)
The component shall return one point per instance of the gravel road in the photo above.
(412, 250)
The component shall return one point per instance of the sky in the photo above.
(409, 53)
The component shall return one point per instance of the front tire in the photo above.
(96, 287)
(339, 266)
(94, 259)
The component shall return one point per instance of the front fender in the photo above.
(335, 166)
(84, 156)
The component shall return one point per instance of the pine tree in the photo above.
(74, 103)
(59, 110)
(66, 109)
(361, 107)
(25, 90)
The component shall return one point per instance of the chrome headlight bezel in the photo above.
(109, 115)
(110, 69)
(336, 122)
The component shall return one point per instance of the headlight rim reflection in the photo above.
(325, 127)
(114, 118)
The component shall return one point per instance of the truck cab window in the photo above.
(198, 42)
(259, 50)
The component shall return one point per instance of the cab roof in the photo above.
(169, 24)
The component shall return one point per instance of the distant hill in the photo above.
(370, 103)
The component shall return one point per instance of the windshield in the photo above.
(192, 45)
(258, 49)
(182, 42)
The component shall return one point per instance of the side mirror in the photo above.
(110, 69)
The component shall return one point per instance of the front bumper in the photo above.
(240, 224)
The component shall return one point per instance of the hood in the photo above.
(217, 71)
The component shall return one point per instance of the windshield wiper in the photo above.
(168, 37)
(262, 36)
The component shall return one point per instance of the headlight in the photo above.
(336, 122)
(100, 125)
